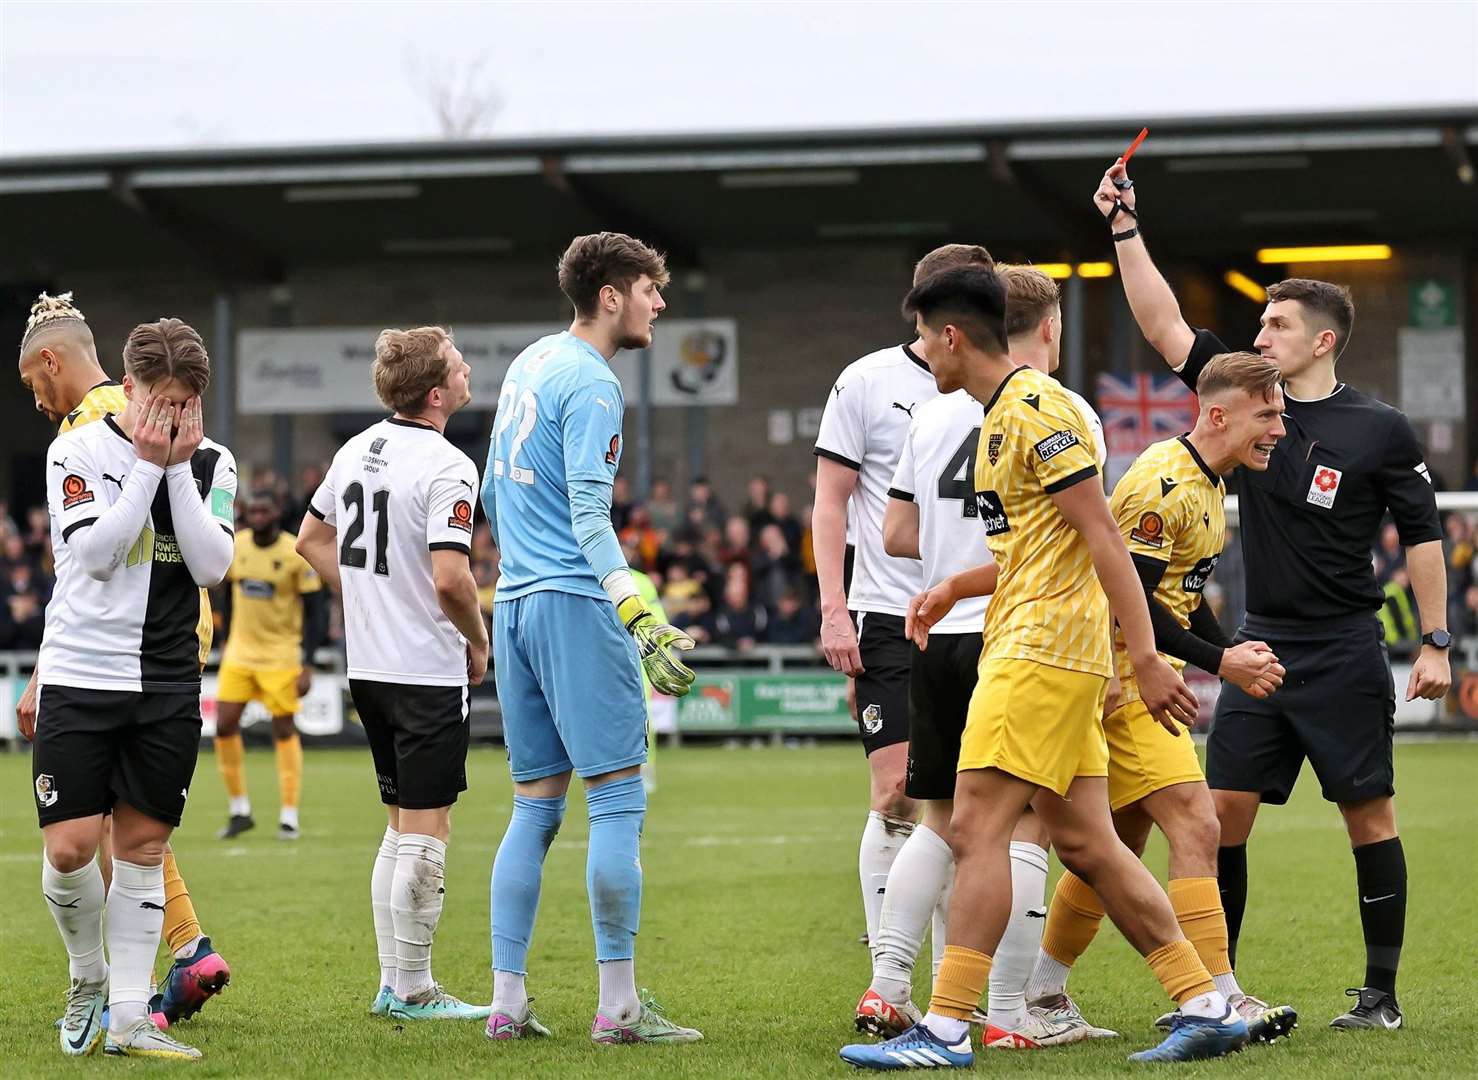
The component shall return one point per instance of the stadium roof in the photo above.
(1214, 188)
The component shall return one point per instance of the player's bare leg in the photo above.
(231, 761)
(1380, 870)
(288, 748)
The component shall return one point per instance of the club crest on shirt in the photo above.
(872, 720)
(993, 446)
(1324, 486)
(461, 516)
(46, 793)
(1150, 531)
(75, 492)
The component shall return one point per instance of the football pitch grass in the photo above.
(749, 931)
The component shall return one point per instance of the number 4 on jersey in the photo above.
(958, 479)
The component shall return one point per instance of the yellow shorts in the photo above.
(277, 690)
(1144, 757)
(1035, 721)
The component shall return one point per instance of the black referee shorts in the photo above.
(95, 748)
(1337, 707)
(418, 738)
(882, 688)
(939, 687)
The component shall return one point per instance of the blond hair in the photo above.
(1031, 296)
(950, 257)
(53, 313)
(167, 349)
(1244, 371)
(409, 365)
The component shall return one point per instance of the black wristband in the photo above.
(1120, 237)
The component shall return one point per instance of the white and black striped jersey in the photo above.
(395, 493)
(863, 427)
(140, 629)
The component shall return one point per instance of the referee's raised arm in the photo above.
(1150, 298)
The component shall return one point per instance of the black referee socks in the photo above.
(1231, 882)
(1380, 870)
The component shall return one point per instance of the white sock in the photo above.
(618, 998)
(946, 1027)
(1210, 1005)
(882, 838)
(921, 871)
(1226, 985)
(1015, 956)
(288, 815)
(76, 903)
(240, 806)
(380, 880)
(416, 897)
(510, 995)
(184, 952)
(939, 932)
(135, 919)
(1049, 978)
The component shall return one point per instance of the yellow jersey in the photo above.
(108, 399)
(1170, 509)
(1048, 605)
(267, 588)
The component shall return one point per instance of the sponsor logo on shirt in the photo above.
(75, 492)
(1195, 580)
(1324, 486)
(992, 513)
(461, 516)
(615, 450)
(1055, 444)
(258, 589)
(1150, 531)
(993, 446)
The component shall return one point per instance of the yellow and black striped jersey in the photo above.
(1169, 507)
(1048, 605)
(104, 399)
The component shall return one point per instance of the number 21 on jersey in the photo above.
(523, 410)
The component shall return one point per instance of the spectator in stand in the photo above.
(620, 503)
(38, 533)
(757, 506)
(775, 567)
(739, 622)
(789, 524)
(1398, 616)
(13, 553)
(793, 622)
(293, 509)
(662, 508)
(699, 623)
(648, 540)
(24, 616)
(736, 547)
(1389, 556)
(806, 550)
(701, 497)
(679, 592)
(1458, 549)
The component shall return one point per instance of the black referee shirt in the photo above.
(1309, 522)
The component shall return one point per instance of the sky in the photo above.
(86, 77)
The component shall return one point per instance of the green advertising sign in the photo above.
(1431, 304)
(801, 701)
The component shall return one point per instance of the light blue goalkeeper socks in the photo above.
(613, 866)
(518, 872)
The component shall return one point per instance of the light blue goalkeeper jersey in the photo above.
(558, 421)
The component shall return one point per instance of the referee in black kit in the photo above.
(1308, 525)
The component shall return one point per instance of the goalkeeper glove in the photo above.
(655, 646)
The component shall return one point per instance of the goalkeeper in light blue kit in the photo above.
(571, 636)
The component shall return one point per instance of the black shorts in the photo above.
(418, 738)
(882, 688)
(94, 748)
(939, 688)
(1337, 707)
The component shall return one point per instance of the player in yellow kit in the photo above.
(59, 366)
(1169, 507)
(1033, 731)
(278, 617)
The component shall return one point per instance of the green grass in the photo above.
(749, 931)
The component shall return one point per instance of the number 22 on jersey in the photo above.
(524, 411)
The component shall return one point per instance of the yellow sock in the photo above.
(231, 760)
(1197, 904)
(962, 976)
(1072, 920)
(290, 770)
(181, 926)
(1180, 971)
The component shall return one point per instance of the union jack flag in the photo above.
(1140, 409)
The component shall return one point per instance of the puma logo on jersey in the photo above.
(116, 480)
(905, 408)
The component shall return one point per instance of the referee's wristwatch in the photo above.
(1438, 639)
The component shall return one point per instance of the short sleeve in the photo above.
(904, 484)
(1407, 485)
(1204, 346)
(449, 506)
(1060, 448)
(590, 429)
(74, 492)
(223, 492)
(324, 505)
(842, 436)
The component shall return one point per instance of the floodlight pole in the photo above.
(644, 425)
(1073, 335)
(223, 369)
